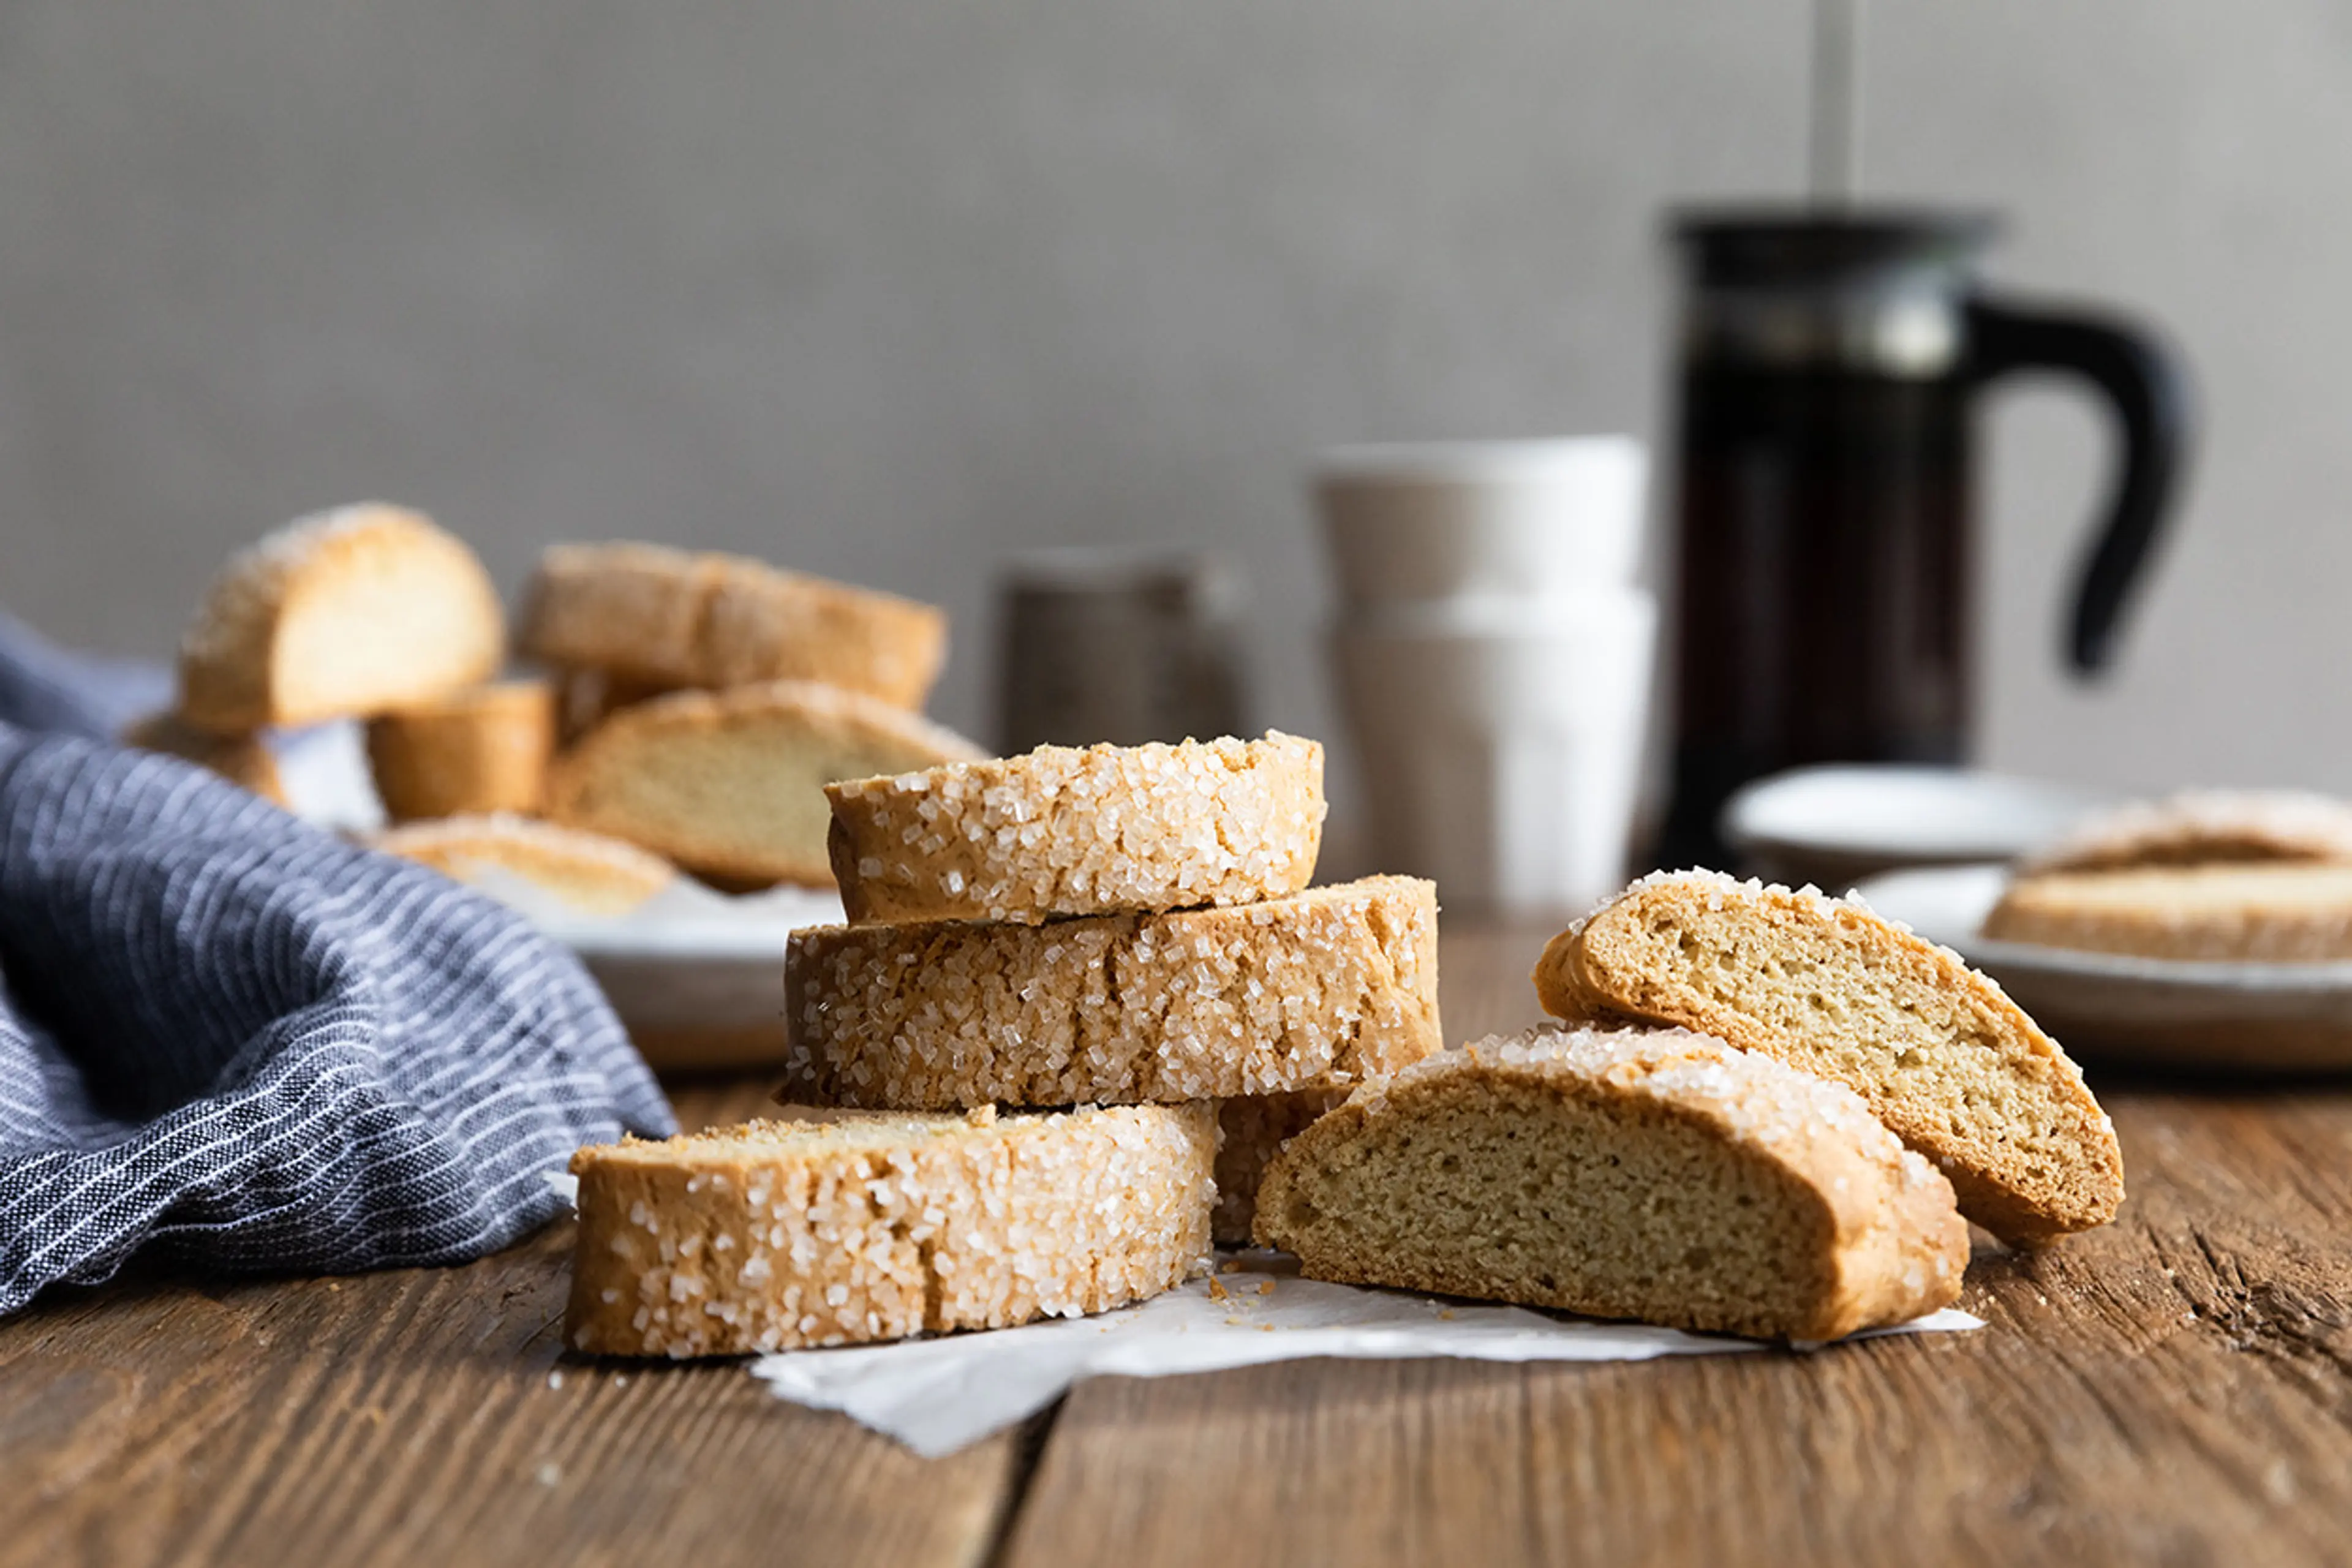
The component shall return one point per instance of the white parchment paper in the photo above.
(937, 1395)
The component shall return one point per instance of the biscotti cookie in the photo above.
(341, 614)
(586, 697)
(2204, 827)
(1320, 990)
(2277, 913)
(730, 783)
(485, 749)
(1060, 831)
(1251, 1132)
(669, 618)
(245, 761)
(781, 1235)
(598, 874)
(1624, 1173)
(1944, 1058)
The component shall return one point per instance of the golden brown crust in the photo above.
(1316, 991)
(665, 618)
(1060, 831)
(777, 1236)
(245, 760)
(341, 614)
(1651, 1173)
(597, 873)
(2274, 913)
(1956, 1068)
(481, 750)
(730, 783)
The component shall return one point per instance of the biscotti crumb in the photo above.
(730, 784)
(1953, 1066)
(2270, 912)
(1250, 1131)
(344, 614)
(1656, 1175)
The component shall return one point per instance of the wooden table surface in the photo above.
(2176, 1388)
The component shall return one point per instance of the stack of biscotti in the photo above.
(2229, 876)
(1767, 1114)
(1113, 924)
(1117, 945)
(706, 699)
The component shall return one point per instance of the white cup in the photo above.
(1477, 520)
(1500, 745)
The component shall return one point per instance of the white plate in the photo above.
(2243, 1018)
(697, 977)
(1833, 825)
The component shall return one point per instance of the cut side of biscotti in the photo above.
(342, 614)
(1654, 1174)
(2278, 912)
(1251, 1132)
(675, 618)
(1316, 991)
(482, 750)
(1061, 831)
(730, 784)
(2206, 828)
(245, 760)
(604, 875)
(1943, 1057)
(781, 1235)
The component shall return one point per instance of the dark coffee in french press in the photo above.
(1830, 371)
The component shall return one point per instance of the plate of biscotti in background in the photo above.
(649, 790)
(2209, 931)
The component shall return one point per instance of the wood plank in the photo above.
(2171, 1388)
(431, 1415)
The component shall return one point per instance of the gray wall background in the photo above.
(888, 291)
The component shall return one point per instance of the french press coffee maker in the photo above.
(1831, 369)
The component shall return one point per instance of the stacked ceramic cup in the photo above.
(1494, 657)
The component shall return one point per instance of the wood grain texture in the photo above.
(2173, 1388)
(2176, 1388)
(431, 1415)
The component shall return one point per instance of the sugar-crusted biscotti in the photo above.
(245, 760)
(781, 1235)
(485, 749)
(341, 614)
(1061, 831)
(2204, 827)
(730, 783)
(1251, 1132)
(1320, 990)
(595, 873)
(671, 617)
(1625, 1174)
(2274, 913)
(1942, 1056)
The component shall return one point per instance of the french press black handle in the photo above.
(2148, 387)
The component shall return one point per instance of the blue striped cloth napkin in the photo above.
(234, 1040)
